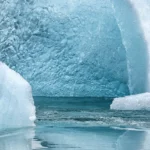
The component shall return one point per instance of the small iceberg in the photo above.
(16, 101)
(133, 102)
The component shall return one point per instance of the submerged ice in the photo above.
(16, 101)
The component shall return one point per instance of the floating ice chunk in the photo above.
(133, 102)
(16, 101)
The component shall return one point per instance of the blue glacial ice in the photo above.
(64, 48)
(16, 102)
(77, 48)
(134, 41)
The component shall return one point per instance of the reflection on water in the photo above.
(80, 124)
(21, 139)
(82, 138)
(93, 138)
(131, 140)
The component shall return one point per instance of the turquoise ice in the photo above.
(90, 48)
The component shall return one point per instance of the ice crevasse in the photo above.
(16, 102)
(77, 48)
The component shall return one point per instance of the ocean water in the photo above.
(80, 124)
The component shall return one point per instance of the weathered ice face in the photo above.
(70, 48)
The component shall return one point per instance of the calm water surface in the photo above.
(80, 124)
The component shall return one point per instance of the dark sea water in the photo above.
(81, 124)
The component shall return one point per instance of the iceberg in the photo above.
(133, 102)
(72, 44)
(16, 101)
(91, 48)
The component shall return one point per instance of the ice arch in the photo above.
(134, 43)
(73, 48)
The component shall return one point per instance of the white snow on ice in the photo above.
(132, 102)
(16, 101)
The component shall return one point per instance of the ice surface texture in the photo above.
(64, 48)
(133, 39)
(133, 102)
(74, 48)
(16, 102)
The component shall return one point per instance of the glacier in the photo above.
(132, 102)
(16, 101)
(76, 48)
(64, 48)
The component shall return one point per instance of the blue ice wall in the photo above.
(65, 48)
(135, 45)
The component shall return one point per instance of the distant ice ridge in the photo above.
(133, 102)
(16, 101)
